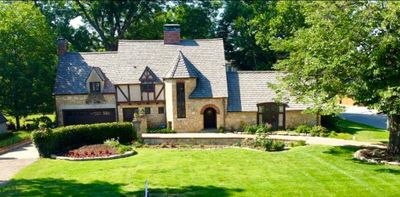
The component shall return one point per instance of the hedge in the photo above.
(62, 139)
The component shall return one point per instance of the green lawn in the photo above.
(302, 171)
(13, 138)
(361, 132)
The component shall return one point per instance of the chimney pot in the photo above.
(62, 46)
(172, 34)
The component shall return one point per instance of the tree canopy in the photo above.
(346, 49)
(27, 59)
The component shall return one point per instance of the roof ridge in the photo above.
(258, 71)
(203, 39)
(96, 52)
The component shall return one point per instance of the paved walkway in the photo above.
(14, 161)
(307, 139)
(365, 116)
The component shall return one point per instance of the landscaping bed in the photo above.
(376, 156)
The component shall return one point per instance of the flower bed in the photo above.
(97, 150)
(376, 156)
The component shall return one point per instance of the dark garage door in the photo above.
(88, 116)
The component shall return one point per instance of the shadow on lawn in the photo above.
(388, 170)
(190, 191)
(60, 187)
(342, 150)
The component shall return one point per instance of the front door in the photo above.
(210, 118)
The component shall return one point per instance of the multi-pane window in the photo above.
(272, 114)
(129, 113)
(161, 110)
(94, 87)
(180, 100)
(147, 110)
(148, 87)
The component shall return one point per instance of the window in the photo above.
(94, 87)
(129, 113)
(161, 110)
(147, 87)
(147, 110)
(180, 100)
(272, 114)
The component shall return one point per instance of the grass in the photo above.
(14, 137)
(302, 171)
(361, 132)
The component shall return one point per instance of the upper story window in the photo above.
(148, 87)
(180, 100)
(148, 80)
(95, 87)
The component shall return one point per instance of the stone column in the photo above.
(139, 123)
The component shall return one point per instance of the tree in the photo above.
(248, 27)
(27, 59)
(347, 49)
(59, 14)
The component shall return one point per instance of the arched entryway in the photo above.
(210, 118)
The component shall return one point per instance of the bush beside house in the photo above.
(59, 140)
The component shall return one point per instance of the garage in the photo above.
(88, 116)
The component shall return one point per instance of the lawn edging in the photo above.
(14, 146)
(126, 154)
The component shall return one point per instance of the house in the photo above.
(3, 124)
(181, 84)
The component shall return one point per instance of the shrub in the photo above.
(257, 129)
(221, 129)
(303, 129)
(264, 142)
(319, 131)
(297, 143)
(160, 130)
(62, 139)
(250, 129)
(278, 145)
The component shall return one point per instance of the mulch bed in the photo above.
(97, 150)
(376, 155)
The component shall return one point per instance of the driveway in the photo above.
(365, 116)
(12, 162)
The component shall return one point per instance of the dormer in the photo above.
(148, 80)
(95, 81)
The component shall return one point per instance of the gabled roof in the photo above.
(74, 68)
(2, 118)
(149, 76)
(181, 68)
(128, 64)
(248, 88)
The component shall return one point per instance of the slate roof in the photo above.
(2, 118)
(181, 68)
(203, 57)
(248, 88)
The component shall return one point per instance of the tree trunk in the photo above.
(394, 138)
(17, 124)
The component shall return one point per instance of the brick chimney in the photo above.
(172, 34)
(62, 46)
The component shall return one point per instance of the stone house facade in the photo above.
(185, 85)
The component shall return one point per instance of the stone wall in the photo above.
(293, 119)
(82, 102)
(296, 118)
(234, 120)
(154, 119)
(194, 121)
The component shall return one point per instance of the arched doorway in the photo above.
(210, 118)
